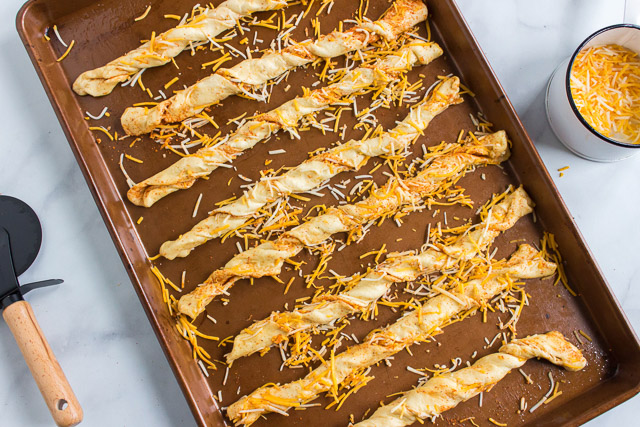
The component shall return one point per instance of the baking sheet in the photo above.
(103, 30)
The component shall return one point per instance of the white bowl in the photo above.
(563, 115)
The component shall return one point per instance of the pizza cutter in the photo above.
(20, 239)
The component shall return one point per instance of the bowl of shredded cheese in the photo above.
(593, 97)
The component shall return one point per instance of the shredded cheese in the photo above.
(168, 84)
(605, 86)
(195, 208)
(144, 15)
(133, 159)
(66, 52)
(55, 31)
(103, 130)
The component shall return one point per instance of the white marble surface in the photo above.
(114, 362)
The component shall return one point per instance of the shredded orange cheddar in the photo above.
(605, 86)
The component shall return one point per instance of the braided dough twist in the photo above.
(416, 326)
(310, 174)
(184, 173)
(249, 73)
(376, 284)
(446, 391)
(267, 258)
(101, 81)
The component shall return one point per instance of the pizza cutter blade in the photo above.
(20, 239)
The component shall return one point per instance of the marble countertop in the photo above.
(114, 362)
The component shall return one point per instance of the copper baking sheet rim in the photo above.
(458, 43)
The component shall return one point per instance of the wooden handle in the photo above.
(44, 367)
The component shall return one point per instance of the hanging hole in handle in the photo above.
(62, 404)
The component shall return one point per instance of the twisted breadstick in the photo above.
(313, 172)
(169, 44)
(414, 327)
(267, 258)
(446, 391)
(249, 73)
(184, 173)
(376, 284)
